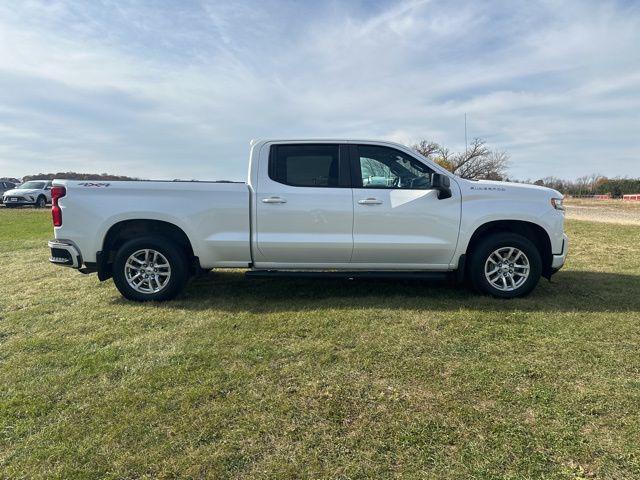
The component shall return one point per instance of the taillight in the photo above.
(56, 212)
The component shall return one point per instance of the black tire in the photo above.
(486, 247)
(41, 202)
(175, 256)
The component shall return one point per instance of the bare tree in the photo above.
(551, 182)
(496, 165)
(427, 148)
(588, 184)
(478, 162)
(582, 184)
(436, 152)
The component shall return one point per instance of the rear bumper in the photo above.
(558, 260)
(65, 253)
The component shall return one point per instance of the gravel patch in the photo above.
(622, 213)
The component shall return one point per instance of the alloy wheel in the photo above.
(147, 271)
(507, 268)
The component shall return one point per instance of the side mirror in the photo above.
(442, 183)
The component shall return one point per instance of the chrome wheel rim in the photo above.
(507, 268)
(147, 271)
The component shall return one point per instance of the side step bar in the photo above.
(383, 274)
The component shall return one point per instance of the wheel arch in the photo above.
(532, 231)
(125, 230)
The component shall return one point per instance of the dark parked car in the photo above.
(4, 186)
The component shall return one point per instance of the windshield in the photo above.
(32, 185)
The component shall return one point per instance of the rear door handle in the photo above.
(370, 201)
(274, 200)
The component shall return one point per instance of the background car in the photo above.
(4, 186)
(33, 192)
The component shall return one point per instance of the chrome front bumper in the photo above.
(65, 253)
(558, 260)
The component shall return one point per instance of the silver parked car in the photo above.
(33, 192)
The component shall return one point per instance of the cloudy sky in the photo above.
(176, 89)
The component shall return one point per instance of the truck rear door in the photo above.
(304, 207)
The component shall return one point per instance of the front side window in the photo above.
(384, 167)
(305, 165)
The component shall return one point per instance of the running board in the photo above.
(386, 275)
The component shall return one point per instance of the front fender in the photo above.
(483, 209)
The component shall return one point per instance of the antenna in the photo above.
(466, 148)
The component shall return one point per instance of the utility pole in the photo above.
(466, 148)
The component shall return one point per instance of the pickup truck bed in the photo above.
(213, 215)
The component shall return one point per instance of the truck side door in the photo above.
(304, 207)
(399, 221)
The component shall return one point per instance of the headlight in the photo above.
(557, 203)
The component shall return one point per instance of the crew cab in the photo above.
(312, 207)
(34, 192)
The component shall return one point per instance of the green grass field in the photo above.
(320, 379)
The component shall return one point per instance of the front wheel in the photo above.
(505, 265)
(150, 268)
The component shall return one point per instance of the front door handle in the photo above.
(274, 200)
(370, 201)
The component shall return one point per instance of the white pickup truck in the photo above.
(312, 207)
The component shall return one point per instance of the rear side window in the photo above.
(307, 165)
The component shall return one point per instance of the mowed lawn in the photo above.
(320, 378)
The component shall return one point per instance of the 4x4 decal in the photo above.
(94, 184)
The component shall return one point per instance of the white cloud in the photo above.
(178, 91)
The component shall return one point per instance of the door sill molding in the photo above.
(366, 274)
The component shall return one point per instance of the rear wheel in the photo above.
(505, 265)
(150, 268)
(41, 202)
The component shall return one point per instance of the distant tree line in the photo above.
(77, 176)
(593, 184)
